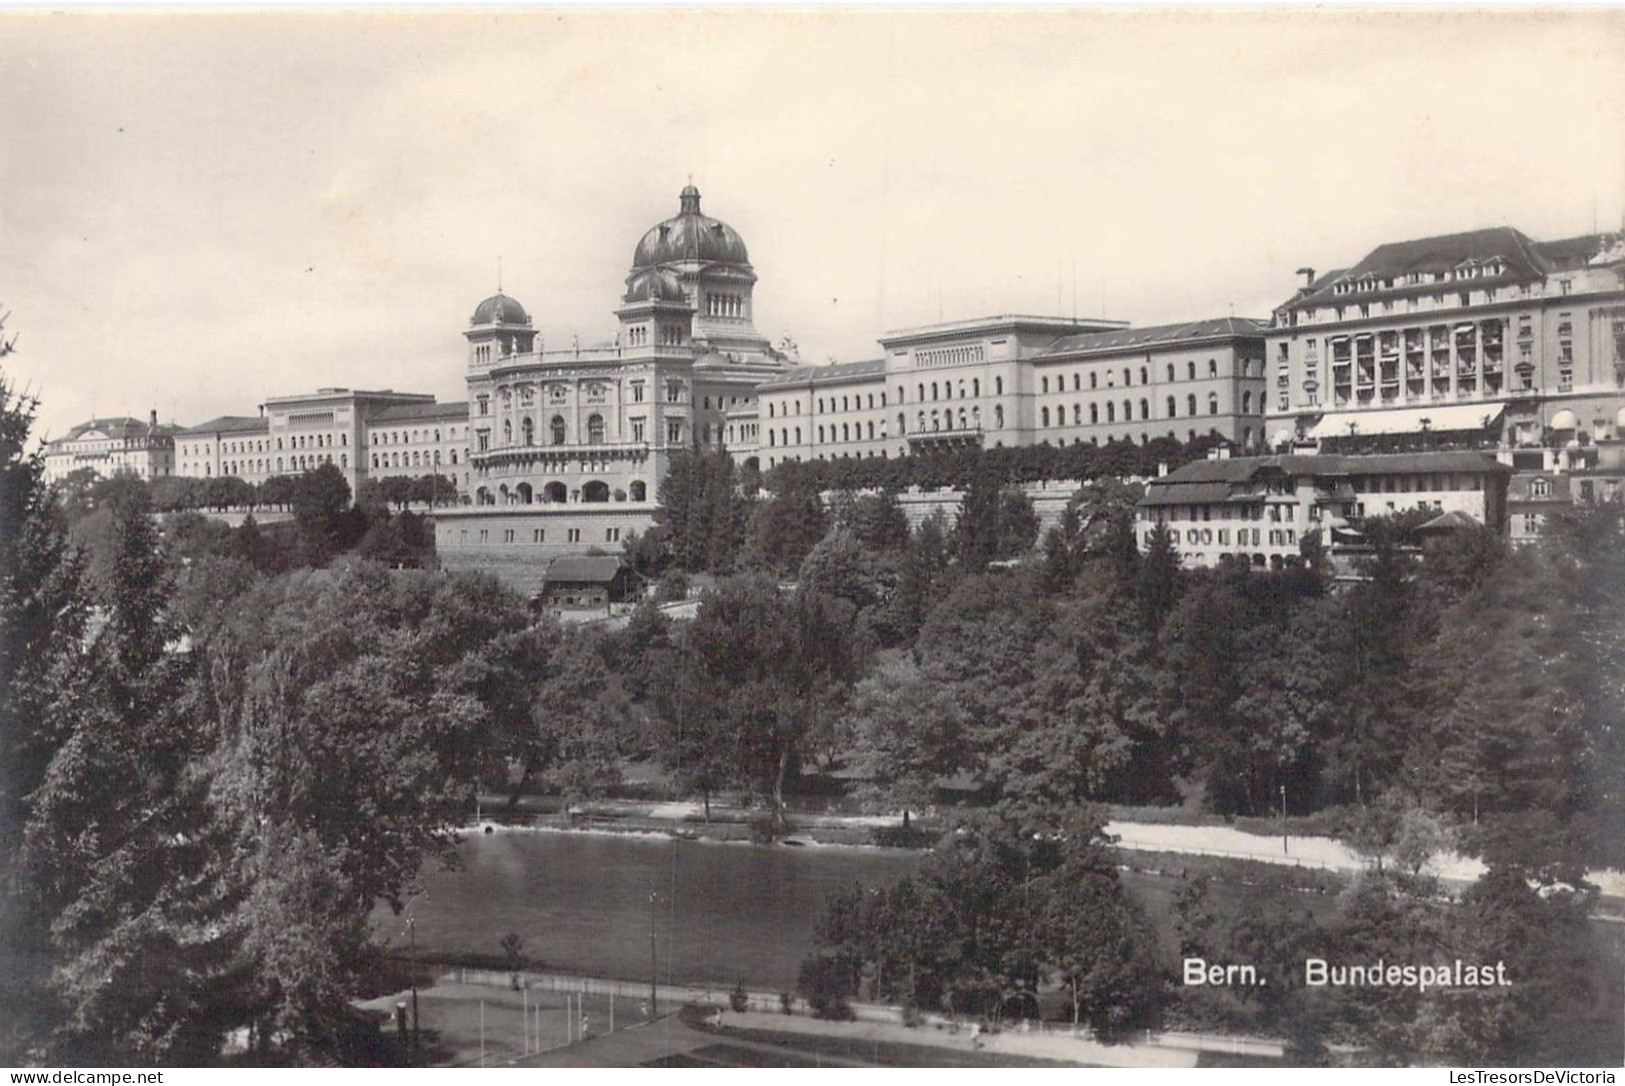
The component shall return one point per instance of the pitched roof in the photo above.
(1156, 335)
(411, 412)
(1211, 480)
(120, 427)
(1392, 261)
(1449, 521)
(592, 569)
(229, 424)
(833, 373)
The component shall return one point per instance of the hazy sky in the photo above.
(198, 211)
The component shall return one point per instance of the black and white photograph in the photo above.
(745, 536)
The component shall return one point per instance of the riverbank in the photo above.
(733, 825)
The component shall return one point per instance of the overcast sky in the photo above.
(199, 211)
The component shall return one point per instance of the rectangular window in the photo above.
(507, 535)
(538, 535)
(612, 535)
(573, 535)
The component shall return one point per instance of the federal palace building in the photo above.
(1512, 344)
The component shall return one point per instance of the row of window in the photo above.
(243, 468)
(401, 437)
(538, 535)
(1172, 404)
(296, 441)
(410, 460)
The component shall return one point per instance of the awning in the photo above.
(1408, 420)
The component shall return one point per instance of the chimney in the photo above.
(1308, 276)
(152, 419)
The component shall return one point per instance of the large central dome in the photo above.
(690, 236)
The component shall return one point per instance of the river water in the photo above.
(723, 912)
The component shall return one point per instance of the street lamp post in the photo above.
(1284, 850)
(412, 942)
(654, 959)
(412, 935)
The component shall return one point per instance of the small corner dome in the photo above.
(655, 285)
(689, 235)
(499, 309)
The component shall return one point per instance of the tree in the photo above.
(320, 498)
(780, 663)
(43, 606)
(876, 520)
(119, 845)
(910, 733)
(785, 528)
(1157, 587)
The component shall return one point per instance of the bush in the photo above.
(739, 999)
(672, 587)
(828, 982)
(903, 837)
(786, 1003)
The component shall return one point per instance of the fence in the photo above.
(772, 1003)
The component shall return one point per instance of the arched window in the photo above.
(1213, 403)
(523, 493)
(1246, 403)
(1170, 371)
(998, 388)
(846, 429)
(639, 491)
(557, 426)
(1128, 413)
(964, 423)
(527, 430)
(1094, 414)
(554, 492)
(820, 435)
(1044, 417)
(1190, 404)
(595, 491)
(933, 390)
(1212, 367)
(798, 435)
(1111, 411)
(976, 386)
(936, 421)
(902, 424)
(998, 416)
(595, 429)
(1145, 376)
(507, 432)
(1145, 409)
(1094, 379)
(1192, 368)
(1127, 380)
(1173, 407)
